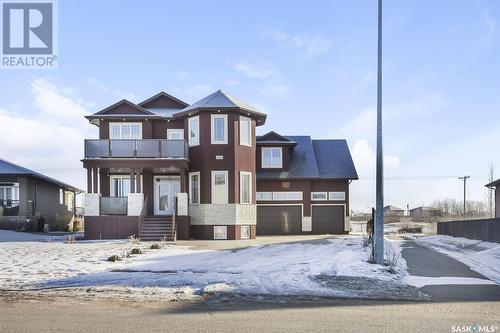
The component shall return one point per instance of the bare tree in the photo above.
(491, 176)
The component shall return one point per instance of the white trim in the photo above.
(330, 195)
(243, 122)
(271, 166)
(165, 179)
(249, 231)
(320, 199)
(287, 195)
(111, 124)
(246, 173)
(196, 140)
(346, 218)
(171, 131)
(224, 236)
(196, 173)
(257, 198)
(212, 118)
(226, 176)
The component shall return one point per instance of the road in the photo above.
(451, 305)
(292, 316)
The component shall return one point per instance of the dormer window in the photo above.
(272, 157)
(219, 128)
(124, 131)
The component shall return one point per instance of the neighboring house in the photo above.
(25, 193)
(392, 211)
(425, 211)
(496, 186)
(165, 169)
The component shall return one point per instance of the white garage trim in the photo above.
(346, 218)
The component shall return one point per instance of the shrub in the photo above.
(136, 251)
(114, 258)
(155, 246)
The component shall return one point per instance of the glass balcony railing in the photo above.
(146, 148)
(113, 205)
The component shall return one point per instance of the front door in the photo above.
(166, 189)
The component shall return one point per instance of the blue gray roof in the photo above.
(9, 168)
(220, 100)
(321, 159)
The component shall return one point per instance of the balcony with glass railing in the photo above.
(146, 148)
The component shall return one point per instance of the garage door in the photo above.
(279, 220)
(328, 219)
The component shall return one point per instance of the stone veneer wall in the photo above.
(223, 214)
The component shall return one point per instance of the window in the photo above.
(319, 196)
(194, 131)
(272, 157)
(220, 232)
(70, 196)
(9, 195)
(219, 187)
(245, 187)
(245, 131)
(194, 187)
(245, 232)
(175, 134)
(219, 128)
(287, 196)
(119, 186)
(118, 131)
(337, 196)
(264, 196)
(61, 196)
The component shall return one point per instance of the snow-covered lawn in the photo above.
(482, 257)
(328, 268)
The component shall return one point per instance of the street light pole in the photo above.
(379, 216)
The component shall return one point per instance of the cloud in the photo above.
(365, 159)
(109, 90)
(488, 20)
(273, 83)
(308, 44)
(50, 137)
(256, 70)
(182, 75)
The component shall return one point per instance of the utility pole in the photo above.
(379, 213)
(464, 178)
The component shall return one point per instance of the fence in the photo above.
(486, 229)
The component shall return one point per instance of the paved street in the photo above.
(450, 305)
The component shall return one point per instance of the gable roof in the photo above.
(493, 183)
(316, 159)
(139, 112)
(424, 208)
(139, 109)
(9, 168)
(274, 138)
(160, 95)
(222, 100)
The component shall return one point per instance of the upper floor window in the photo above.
(175, 134)
(9, 195)
(245, 131)
(272, 157)
(194, 131)
(129, 131)
(219, 128)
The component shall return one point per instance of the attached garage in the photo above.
(328, 219)
(279, 220)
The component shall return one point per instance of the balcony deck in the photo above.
(136, 149)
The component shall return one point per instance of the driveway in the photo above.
(425, 262)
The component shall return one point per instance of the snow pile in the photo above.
(482, 257)
(280, 269)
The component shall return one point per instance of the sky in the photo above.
(310, 65)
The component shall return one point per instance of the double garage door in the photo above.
(287, 220)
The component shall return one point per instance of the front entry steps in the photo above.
(157, 228)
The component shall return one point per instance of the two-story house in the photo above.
(165, 169)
